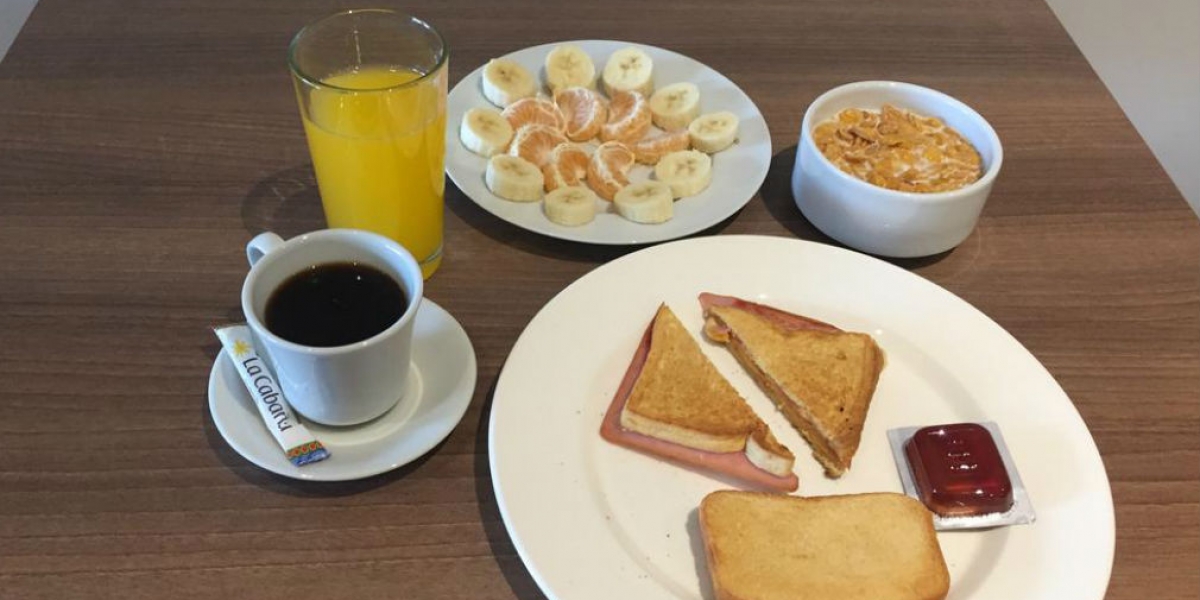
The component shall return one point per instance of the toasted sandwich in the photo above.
(855, 547)
(674, 404)
(820, 377)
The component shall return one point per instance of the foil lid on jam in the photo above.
(963, 473)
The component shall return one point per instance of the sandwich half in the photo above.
(879, 546)
(675, 405)
(820, 377)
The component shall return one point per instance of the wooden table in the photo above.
(142, 144)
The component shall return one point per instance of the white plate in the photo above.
(592, 520)
(738, 172)
(443, 381)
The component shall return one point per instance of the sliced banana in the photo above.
(506, 81)
(513, 178)
(686, 172)
(713, 132)
(645, 202)
(485, 131)
(675, 106)
(571, 205)
(569, 66)
(630, 70)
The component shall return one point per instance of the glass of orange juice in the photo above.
(372, 91)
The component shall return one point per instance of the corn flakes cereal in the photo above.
(898, 150)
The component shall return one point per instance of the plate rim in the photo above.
(1102, 566)
(573, 234)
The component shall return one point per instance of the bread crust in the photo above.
(680, 391)
(851, 547)
(674, 404)
(822, 379)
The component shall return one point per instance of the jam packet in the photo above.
(301, 446)
(963, 473)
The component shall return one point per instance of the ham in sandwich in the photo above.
(674, 404)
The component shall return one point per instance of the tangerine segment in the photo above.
(584, 112)
(531, 111)
(567, 166)
(628, 118)
(608, 171)
(650, 150)
(535, 142)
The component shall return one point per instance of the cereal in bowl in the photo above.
(898, 150)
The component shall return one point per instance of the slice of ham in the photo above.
(783, 319)
(733, 465)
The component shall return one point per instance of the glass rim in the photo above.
(313, 81)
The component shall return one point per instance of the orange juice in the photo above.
(378, 147)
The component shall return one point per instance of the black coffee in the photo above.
(334, 304)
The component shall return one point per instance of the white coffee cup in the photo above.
(340, 385)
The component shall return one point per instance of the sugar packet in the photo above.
(301, 446)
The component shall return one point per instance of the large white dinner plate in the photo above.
(738, 172)
(592, 520)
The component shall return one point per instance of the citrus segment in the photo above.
(535, 142)
(628, 118)
(584, 112)
(608, 170)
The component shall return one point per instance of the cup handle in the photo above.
(262, 244)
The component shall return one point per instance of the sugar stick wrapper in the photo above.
(301, 446)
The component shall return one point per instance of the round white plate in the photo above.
(738, 172)
(442, 381)
(593, 520)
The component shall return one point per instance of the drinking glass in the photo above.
(371, 85)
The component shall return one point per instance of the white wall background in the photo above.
(12, 16)
(1146, 51)
(1148, 54)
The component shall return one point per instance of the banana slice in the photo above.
(675, 106)
(686, 172)
(645, 202)
(485, 131)
(571, 205)
(713, 132)
(569, 66)
(628, 70)
(506, 81)
(513, 178)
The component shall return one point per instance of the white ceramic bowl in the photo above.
(882, 221)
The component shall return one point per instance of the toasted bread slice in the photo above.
(879, 546)
(820, 377)
(679, 397)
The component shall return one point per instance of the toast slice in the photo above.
(674, 404)
(820, 377)
(879, 546)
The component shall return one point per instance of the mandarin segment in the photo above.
(534, 111)
(584, 112)
(608, 170)
(567, 166)
(534, 143)
(650, 150)
(628, 118)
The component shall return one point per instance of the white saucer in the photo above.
(442, 382)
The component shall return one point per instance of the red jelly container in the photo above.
(958, 470)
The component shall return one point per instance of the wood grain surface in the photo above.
(143, 143)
